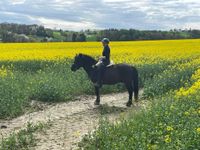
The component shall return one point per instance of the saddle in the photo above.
(109, 65)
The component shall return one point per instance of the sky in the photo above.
(102, 14)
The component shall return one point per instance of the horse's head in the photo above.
(77, 62)
(82, 60)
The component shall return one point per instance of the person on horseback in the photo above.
(103, 61)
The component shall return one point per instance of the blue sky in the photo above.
(100, 14)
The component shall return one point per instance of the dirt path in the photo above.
(70, 121)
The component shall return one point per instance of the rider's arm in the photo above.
(106, 52)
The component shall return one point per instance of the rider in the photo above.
(103, 61)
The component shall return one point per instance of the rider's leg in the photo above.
(100, 74)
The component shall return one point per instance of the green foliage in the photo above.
(165, 125)
(57, 35)
(132, 34)
(39, 80)
(13, 96)
(24, 139)
(171, 78)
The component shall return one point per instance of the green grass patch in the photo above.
(166, 125)
(24, 139)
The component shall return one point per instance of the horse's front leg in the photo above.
(97, 102)
(130, 91)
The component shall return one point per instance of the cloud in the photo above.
(16, 2)
(90, 14)
(70, 25)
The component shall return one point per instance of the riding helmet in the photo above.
(105, 40)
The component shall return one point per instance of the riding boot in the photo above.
(99, 75)
(99, 78)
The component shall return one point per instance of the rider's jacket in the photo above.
(106, 53)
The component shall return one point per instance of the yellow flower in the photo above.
(198, 130)
(196, 76)
(169, 128)
(167, 139)
(152, 146)
(187, 113)
(77, 133)
(189, 91)
(3, 72)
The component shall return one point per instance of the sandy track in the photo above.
(70, 121)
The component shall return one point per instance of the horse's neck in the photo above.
(88, 65)
(89, 70)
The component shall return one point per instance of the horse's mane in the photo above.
(88, 59)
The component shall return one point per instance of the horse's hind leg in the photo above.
(136, 94)
(97, 102)
(136, 90)
(130, 91)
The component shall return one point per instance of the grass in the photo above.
(24, 139)
(164, 126)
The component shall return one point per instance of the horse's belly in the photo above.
(111, 82)
(111, 78)
(118, 74)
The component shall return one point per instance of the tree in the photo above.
(74, 36)
(41, 31)
(81, 37)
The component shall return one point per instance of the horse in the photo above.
(116, 73)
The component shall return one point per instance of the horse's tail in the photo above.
(135, 82)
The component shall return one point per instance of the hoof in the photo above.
(129, 104)
(96, 103)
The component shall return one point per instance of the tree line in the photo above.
(10, 32)
(132, 34)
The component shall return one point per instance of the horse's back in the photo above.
(119, 72)
(120, 66)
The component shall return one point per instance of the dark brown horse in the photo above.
(113, 74)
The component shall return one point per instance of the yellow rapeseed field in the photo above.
(137, 52)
